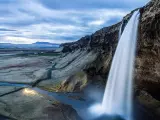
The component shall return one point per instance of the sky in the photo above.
(59, 21)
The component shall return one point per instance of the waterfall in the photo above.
(117, 99)
(118, 93)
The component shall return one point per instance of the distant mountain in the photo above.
(37, 45)
(45, 43)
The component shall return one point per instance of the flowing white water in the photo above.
(117, 99)
(118, 93)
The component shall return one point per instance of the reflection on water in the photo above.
(29, 92)
(80, 105)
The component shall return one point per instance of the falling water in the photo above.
(117, 98)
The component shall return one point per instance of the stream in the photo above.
(80, 105)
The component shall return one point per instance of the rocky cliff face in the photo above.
(148, 50)
(82, 43)
(147, 73)
(147, 70)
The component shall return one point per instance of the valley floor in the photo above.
(42, 85)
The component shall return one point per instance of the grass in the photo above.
(56, 102)
(78, 78)
(52, 88)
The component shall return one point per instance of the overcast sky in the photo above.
(59, 21)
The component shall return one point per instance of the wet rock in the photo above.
(61, 112)
(28, 104)
(105, 117)
(148, 101)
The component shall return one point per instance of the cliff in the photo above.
(87, 61)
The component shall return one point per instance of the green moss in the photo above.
(80, 79)
(69, 88)
(83, 77)
(84, 81)
(74, 83)
(56, 102)
(80, 74)
(52, 88)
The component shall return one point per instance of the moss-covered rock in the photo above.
(51, 87)
(75, 83)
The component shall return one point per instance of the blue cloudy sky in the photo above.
(59, 21)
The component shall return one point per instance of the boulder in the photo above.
(75, 83)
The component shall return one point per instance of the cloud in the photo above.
(96, 22)
(27, 21)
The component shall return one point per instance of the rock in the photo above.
(50, 85)
(75, 83)
(148, 101)
(41, 74)
(7, 89)
(147, 72)
(148, 50)
(28, 104)
(72, 63)
(24, 69)
(147, 65)
(2, 117)
(105, 117)
(67, 113)
(82, 43)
